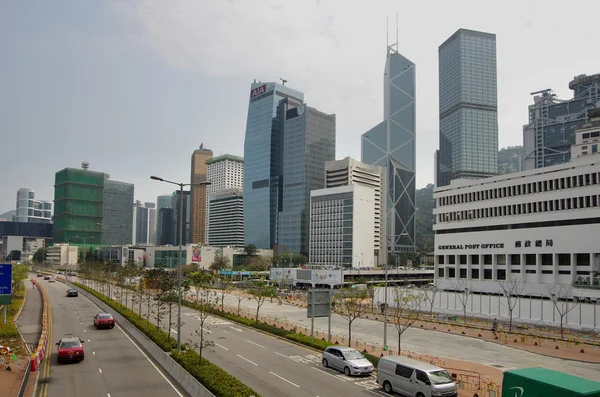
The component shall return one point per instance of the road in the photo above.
(113, 366)
(271, 366)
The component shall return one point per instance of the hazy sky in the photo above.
(135, 86)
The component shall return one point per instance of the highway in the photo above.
(113, 366)
(271, 366)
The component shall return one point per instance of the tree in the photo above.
(463, 290)
(258, 263)
(260, 292)
(169, 295)
(350, 304)
(40, 255)
(250, 250)
(225, 286)
(206, 300)
(429, 293)
(220, 262)
(405, 311)
(560, 295)
(199, 280)
(240, 295)
(512, 290)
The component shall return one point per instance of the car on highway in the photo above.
(47, 277)
(51, 280)
(346, 359)
(104, 320)
(40, 275)
(72, 292)
(70, 349)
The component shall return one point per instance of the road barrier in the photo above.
(40, 351)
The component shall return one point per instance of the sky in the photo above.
(134, 86)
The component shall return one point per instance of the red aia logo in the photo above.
(258, 91)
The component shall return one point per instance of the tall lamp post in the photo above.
(181, 185)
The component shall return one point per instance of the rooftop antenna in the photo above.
(85, 165)
(283, 81)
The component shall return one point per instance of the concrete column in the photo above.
(480, 267)
(555, 268)
(574, 267)
(523, 269)
(508, 266)
(538, 267)
(469, 263)
(494, 267)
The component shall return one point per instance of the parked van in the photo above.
(413, 378)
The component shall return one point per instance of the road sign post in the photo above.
(5, 286)
(318, 305)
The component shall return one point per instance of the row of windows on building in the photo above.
(581, 259)
(569, 182)
(572, 203)
(501, 273)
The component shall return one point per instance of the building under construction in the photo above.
(548, 137)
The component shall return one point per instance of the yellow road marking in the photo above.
(48, 350)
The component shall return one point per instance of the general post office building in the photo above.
(541, 226)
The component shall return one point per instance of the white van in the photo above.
(413, 378)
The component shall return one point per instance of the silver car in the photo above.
(347, 359)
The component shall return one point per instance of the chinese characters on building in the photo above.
(531, 243)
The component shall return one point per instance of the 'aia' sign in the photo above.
(258, 91)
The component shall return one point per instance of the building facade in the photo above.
(587, 138)
(176, 204)
(117, 213)
(308, 142)
(342, 226)
(141, 223)
(548, 136)
(62, 255)
(151, 222)
(78, 195)
(31, 210)
(349, 172)
(224, 172)
(27, 246)
(164, 224)
(199, 194)
(468, 107)
(391, 144)
(263, 157)
(226, 221)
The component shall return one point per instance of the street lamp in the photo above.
(181, 185)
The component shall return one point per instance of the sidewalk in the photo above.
(30, 327)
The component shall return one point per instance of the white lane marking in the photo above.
(100, 370)
(107, 394)
(207, 331)
(283, 355)
(85, 330)
(237, 329)
(172, 330)
(226, 331)
(256, 344)
(244, 358)
(282, 378)
(143, 354)
(81, 323)
(89, 340)
(333, 376)
(94, 353)
(222, 347)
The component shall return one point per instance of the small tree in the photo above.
(260, 292)
(40, 255)
(200, 280)
(207, 300)
(429, 294)
(560, 295)
(220, 262)
(240, 295)
(512, 289)
(351, 303)
(258, 263)
(405, 311)
(250, 250)
(225, 286)
(463, 290)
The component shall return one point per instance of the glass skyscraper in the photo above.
(308, 142)
(117, 213)
(391, 144)
(468, 107)
(263, 156)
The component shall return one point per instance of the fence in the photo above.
(40, 351)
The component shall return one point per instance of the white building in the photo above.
(28, 246)
(31, 210)
(62, 255)
(223, 172)
(342, 226)
(201, 256)
(349, 172)
(226, 221)
(587, 138)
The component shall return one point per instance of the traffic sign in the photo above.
(5, 283)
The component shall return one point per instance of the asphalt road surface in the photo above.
(113, 366)
(271, 366)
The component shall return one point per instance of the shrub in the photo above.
(308, 341)
(215, 379)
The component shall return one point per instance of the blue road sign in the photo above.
(5, 279)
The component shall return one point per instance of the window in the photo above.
(451, 272)
(475, 274)
(463, 273)
(487, 274)
(422, 377)
(403, 371)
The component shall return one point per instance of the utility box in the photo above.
(542, 382)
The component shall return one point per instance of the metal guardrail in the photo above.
(25, 379)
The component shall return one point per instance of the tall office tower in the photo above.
(548, 137)
(223, 172)
(308, 142)
(31, 210)
(78, 195)
(163, 223)
(391, 144)
(117, 213)
(198, 207)
(176, 205)
(226, 222)
(151, 222)
(352, 172)
(468, 107)
(141, 223)
(263, 156)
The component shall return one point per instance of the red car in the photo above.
(104, 320)
(40, 275)
(47, 277)
(70, 348)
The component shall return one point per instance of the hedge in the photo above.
(9, 333)
(214, 378)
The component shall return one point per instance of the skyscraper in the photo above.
(151, 222)
(117, 213)
(176, 204)
(548, 137)
(263, 154)
(226, 223)
(391, 144)
(141, 223)
(308, 142)
(164, 220)
(198, 195)
(31, 210)
(468, 107)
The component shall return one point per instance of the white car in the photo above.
(346, 359)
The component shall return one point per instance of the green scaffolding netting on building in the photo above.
(79, 176)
